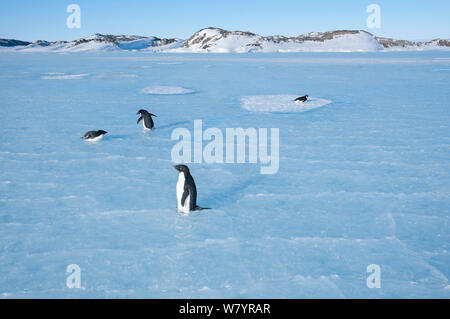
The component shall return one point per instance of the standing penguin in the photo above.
(147, 119)
(186, 191)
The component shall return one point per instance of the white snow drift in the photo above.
(62, 76)
(280, 103)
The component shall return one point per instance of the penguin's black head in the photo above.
(101, 132)
(182, 168)
(141, 111)
(306, 95)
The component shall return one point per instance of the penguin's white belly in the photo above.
(180, 190)
(298, 102)
(95, 139)
(145, 127)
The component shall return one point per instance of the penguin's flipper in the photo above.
(152, 114)
(139, 119)
(184, 196)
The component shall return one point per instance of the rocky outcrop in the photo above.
(323, 36)
(439, 42)
(12, 43)
(117, 39)
(205, 37)
(390, 43)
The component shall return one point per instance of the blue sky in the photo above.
(46, 19)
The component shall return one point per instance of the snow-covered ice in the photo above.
(363, 180)
(62, 76)
(117, 75)
(281, 103)
(165, 90)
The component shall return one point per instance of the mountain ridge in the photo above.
(219, 40)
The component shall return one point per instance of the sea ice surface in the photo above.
(165, 90)
(362, 180)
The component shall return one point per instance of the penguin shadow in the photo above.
(228, 195)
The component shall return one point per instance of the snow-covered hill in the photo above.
(218, 40)
(222, 41)
(96, 42)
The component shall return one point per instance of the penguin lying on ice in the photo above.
(93, 136)
(301, 99)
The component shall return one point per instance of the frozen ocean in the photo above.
(364, 176)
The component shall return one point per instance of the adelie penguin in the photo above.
(146, 118)
(186, 191)
(301, 99)
(93, 136)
